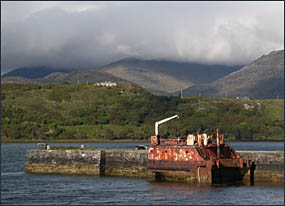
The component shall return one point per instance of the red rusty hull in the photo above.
(195, 164)
(228, 174)
(173, 165)
(196, 172)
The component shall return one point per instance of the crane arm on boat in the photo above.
(162, 121)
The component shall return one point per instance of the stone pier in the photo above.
(269, 165)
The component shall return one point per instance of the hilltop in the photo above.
(72, 77)
(126, 111)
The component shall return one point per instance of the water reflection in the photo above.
(238, 193)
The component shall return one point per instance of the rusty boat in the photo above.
(196, 158)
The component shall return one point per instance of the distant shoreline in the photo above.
(73, 141)
(117, 141)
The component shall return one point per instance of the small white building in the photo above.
(106, 84)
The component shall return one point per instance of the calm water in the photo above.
(18, 187)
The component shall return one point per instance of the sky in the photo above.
(89, 34)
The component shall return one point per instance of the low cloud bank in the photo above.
(90, 34)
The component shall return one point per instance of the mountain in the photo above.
(160, 77)
(263, 78)
(34, 72)
(148, 79)
(166, 76)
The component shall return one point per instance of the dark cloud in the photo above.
(89, 34)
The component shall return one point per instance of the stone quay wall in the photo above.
(129, 163)
(269, 165)
(71, 162)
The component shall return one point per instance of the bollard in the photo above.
(82, 146)
(48, 147)
(218, 144)
(199, 140)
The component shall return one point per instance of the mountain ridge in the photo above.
(35, 72)
(167, 76)
(262, 78)
(161, 77)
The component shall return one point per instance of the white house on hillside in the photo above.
(106, 84)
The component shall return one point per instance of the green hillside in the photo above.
(64, 111)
